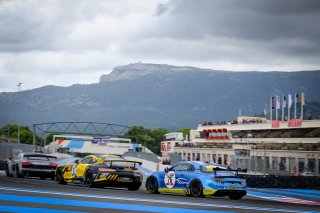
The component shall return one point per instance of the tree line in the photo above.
(151, 138)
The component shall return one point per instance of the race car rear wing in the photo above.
(222, 170)
(129, 161)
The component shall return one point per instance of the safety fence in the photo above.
(7, 149)
(284, 166)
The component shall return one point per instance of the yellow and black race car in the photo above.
(101, 171)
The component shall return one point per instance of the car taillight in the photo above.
(26, 163)
(137, 174)
(53, 164)
(218, 180)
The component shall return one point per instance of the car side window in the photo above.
(92, 161)
(84, 161)
(183, 167)
(190, 167)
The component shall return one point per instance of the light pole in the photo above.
(19, 85)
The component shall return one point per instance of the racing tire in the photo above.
(196, 189)
(59, 177)
(152, 185)
(134, 187)
(16, 172)
(7, 171)
(235, 197)
(89, 179)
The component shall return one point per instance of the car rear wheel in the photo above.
(152, 185)
(59, 177)
(134, 187)
(235, 197)
(196, 189)
(89, 180)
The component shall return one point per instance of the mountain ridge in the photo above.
(154, 95)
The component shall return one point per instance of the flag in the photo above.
(284, 103)
(272, 102)
(278, 102)
(297, 98)
(302, 99)
(289, 100)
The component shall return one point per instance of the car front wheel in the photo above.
(89, 180)
(59, 177)
(152, 185)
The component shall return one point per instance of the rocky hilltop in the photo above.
(155, 95)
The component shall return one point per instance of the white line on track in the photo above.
(155, 201)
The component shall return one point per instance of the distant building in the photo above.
(277, 147)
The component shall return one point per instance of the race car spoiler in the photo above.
(219, 169)
(237, 171)
(129, 161)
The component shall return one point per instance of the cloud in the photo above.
(64, 42)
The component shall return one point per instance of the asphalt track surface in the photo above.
(35, 195)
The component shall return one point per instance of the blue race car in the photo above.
(198, 179)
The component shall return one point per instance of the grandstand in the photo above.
(290, 147)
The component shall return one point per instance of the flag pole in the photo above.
(271, 108)
(282, 108)
(295, 106)
(288, 107)
(302, 103)
(301, 111)
(276, 106)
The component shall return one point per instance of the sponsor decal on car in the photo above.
(182, 181)
(170, 179)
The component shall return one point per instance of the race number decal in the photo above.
(170, 179)
(74, 169)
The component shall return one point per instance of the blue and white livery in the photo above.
(198, 179)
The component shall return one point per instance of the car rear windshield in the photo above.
(40, 158)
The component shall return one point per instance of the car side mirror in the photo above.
(166, 170)
(76, 161)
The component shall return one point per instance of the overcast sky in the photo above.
(64, 42)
